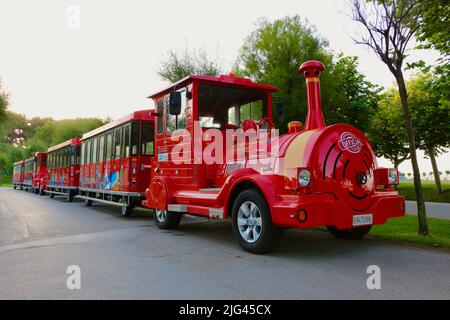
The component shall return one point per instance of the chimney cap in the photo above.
(311, 65)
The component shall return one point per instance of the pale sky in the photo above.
(108, 66)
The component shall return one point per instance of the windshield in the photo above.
(225, 107)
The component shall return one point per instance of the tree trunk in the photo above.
(421, 210)
(437, 177)
(396, 164)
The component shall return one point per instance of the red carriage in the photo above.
(116, 161)
(17, 180)
(63, 169)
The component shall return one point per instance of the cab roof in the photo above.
(222, 79)
(137, 115)
(73, 141)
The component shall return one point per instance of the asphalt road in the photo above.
(434, 209)
(130, 258)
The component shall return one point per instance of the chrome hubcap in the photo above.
(161, 215)
(249, 221)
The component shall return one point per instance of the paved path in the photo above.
(130, 258)
(434, 209)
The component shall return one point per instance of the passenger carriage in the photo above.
(63, 170)
(116, 161)
(18, 175)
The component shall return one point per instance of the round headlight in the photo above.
(304, 177)
(392, 176)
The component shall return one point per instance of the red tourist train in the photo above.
(63, 170)
(210, 149)
(115, 161)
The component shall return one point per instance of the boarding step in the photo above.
(196, 197)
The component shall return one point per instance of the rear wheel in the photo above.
(349, 234)
(88, 202)
(36, 190)
(127, 210)
(252, 223)
(41, 192)
(70, 196)
(52, 195)
(14, 187)
(167, 219)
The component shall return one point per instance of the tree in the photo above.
(272, 54)
(388, 28)
(177, 66)
(386, 132)
(4, 102)
(431, 117)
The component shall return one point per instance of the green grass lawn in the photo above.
(6, 182)
(404, 230)
(406, 188)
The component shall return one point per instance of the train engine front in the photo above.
(331, 174)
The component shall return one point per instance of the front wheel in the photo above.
(252, 223)
(167, 219)
(349, 234)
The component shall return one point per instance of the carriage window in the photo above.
(134, 138)
(109, 146)
(126, 142)
(222, 105)
(160, 111)
(88, 152)
(67, 154)
(83, 153)
(117, 143)
(101, 149)
(94, 150)
(147, 139)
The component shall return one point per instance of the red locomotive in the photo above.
(313, 176)
(115, 161)
(32, 170)
(63, 169)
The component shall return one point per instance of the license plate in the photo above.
(362, 219)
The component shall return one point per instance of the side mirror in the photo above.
(175, 103)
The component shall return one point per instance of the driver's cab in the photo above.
(208, 109)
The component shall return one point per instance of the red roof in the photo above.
(222, 79)
(73, 141)
(28, 159)
(137, 115)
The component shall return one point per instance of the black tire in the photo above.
(167, 219)
(269, 235)
(52, 195)
(41, 192)
(88, 202)
(349, 234)
(126, 211)
(36, 190)
(70, 196)
(14, 187)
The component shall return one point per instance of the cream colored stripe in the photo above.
(295, 152)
